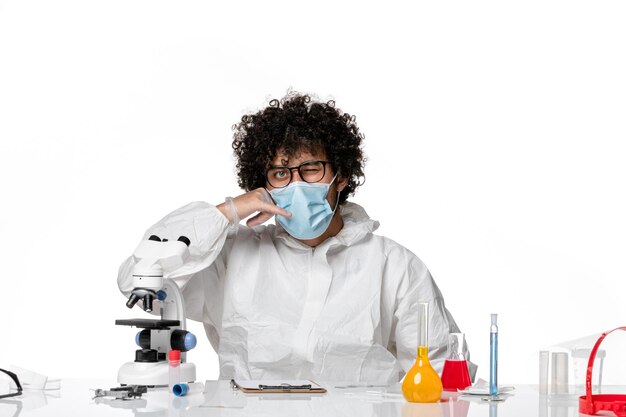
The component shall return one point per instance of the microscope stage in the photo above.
(149, 323)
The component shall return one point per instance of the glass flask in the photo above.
(455, 375)
(422, 383)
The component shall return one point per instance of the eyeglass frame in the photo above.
(17, 384)
(290, 169)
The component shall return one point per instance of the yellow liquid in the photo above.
(422, 383)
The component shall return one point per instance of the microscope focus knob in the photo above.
(183, 340)
(146, 355)
(142, 339)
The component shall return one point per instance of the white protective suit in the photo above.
(276, 308)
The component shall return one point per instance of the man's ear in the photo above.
(342, 183)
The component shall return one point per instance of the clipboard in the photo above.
(277, 386)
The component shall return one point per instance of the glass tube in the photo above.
(422, 323)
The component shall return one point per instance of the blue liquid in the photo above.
(493, 365)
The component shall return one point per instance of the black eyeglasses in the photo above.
(310, 171)
(17, 384)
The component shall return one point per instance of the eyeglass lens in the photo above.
(312, 171)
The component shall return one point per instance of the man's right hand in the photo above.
(256, 201)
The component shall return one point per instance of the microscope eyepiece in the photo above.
(185, 240)
(155, 238)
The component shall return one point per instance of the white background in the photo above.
(494, 133)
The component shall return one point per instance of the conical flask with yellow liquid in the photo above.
(422, 383)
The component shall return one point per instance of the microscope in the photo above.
(158, 337)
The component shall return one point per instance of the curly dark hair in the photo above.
(297, 123)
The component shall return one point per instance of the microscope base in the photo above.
(153, 373)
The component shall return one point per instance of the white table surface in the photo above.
(75, 398)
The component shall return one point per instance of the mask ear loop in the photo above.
(269, 195)
(337, 203)
(338, 194)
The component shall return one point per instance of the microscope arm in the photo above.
(173, 305)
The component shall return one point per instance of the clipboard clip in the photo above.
(284, 386)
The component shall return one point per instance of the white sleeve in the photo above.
(204, 225)
(418, 286)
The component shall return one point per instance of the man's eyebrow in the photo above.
(287, 166)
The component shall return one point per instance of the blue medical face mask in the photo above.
(310, 212)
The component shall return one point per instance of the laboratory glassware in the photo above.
(493, 356)
(174, 370)
(422, 383)
(544, 361)
(455, 375)
(560, 375)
